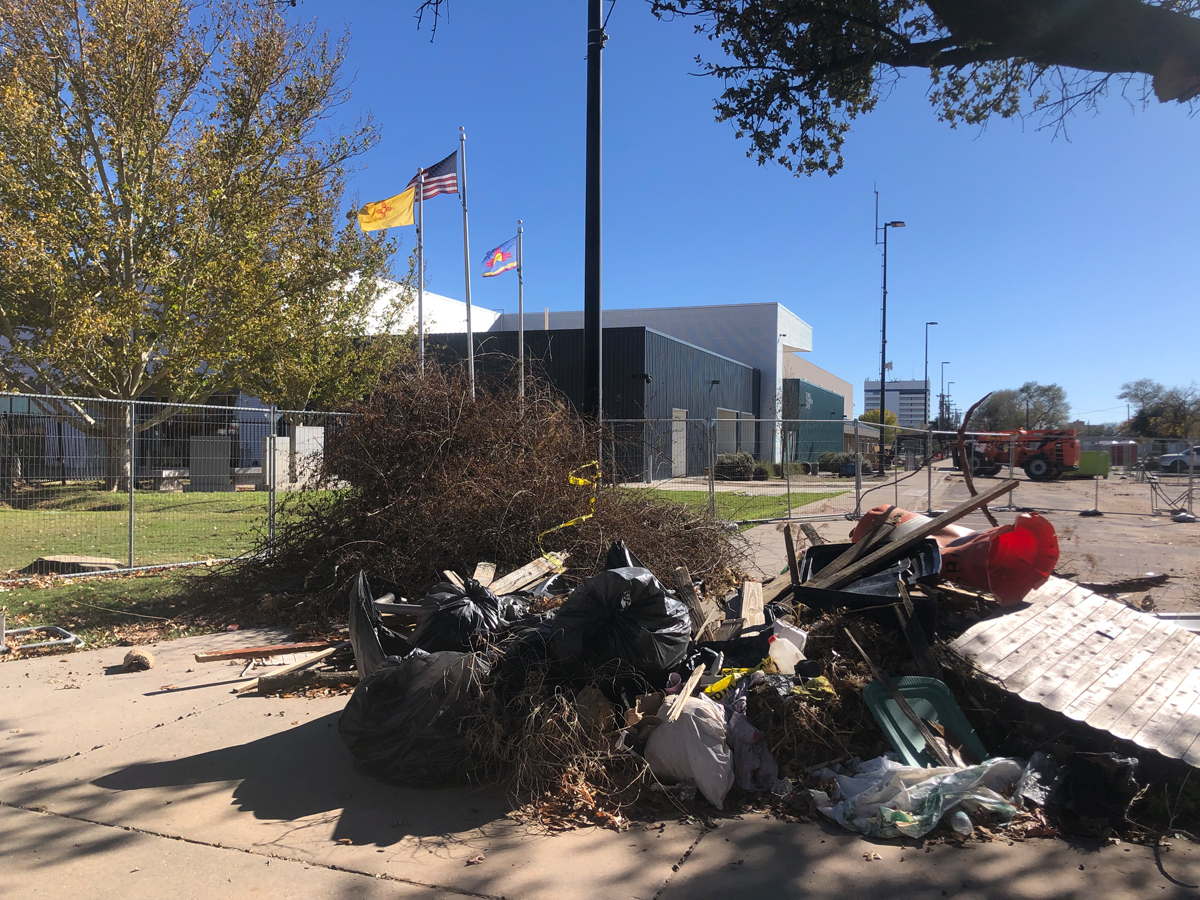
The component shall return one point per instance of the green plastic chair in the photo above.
(930, 699)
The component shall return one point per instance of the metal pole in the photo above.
(1191, 479)
(857, 475)
(712, 471)
(462, 192)
(883, 345)
(420, 272)
(787, 468)
(271, 474)
(592, 390)
(928, 463)
(521, 310)
(131, 467)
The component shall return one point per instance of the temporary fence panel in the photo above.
(145, 483)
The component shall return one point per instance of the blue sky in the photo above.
(1050, 259)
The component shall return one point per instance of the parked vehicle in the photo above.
(1179, 462)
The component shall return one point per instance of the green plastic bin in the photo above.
(930, 699)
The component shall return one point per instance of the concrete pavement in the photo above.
(116, 787)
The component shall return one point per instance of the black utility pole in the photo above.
(591, 228)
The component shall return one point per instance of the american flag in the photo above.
(441, 178)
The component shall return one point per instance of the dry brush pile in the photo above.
(421, 478)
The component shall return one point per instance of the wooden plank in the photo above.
(789, 544)
(295, 667)
(752, 604)
(1142, 710)
(814, 536)
(881, 530)
(1046, 635)
(1110, 681)
(1181, 710)
(687, 593)
(485, 573)
(454, 578)
(526, 575)
(889, 553)
(999, 642)
(1052, 591)
(976, 639)
(1096, 640)
(260, 652)
(1109, 655)
(681, 699)
(1118, 702)
(778, 589)
(1036, 665)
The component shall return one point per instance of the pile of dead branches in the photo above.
(420, 478)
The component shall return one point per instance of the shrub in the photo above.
(734, 466)
(761, 472)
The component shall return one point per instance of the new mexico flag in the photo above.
(388, 213)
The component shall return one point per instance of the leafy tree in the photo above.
(169, 205)
(871, 417)
(798, 72)
(1041, 405)
(1141, 393)
(1168, 413)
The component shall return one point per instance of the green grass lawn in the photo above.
(735, 507)
(167, 527)
(107, 610)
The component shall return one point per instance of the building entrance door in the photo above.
(678, 443)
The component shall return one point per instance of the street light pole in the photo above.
(942, 395)
(928, 432)
(948, 386)
(591, 239)
(883, 320)
(927, 324)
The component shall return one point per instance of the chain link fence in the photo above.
(142, 483)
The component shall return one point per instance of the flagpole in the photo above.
(521, 310)
(462, 191)
(421, 270)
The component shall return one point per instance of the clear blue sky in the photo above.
(1058, 260)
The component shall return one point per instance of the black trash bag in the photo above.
(453, 617)
(370, 638)
(401, 724)
(1101, 786)
(621, 557)
(623, 615)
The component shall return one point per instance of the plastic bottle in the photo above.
(784, 654)
(961, 823)
(798, 638)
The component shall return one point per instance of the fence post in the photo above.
(132, 465)
(857, 474)
(787, 468)
(271, 479)
(712, 469)
(929, 470)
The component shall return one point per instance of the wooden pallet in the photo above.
(1099, 662)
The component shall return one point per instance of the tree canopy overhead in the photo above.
(798, 72)
(170, 201)
(1039, 405)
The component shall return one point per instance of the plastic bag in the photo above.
(693, 749)
(452, 617)
(884, 798)
(625, 615)
(754, 767)
(401, 724)
(370, 638)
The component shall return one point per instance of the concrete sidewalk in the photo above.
(112, 786)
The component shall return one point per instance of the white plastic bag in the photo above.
(694, 749)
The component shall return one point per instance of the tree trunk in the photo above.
(118, 457)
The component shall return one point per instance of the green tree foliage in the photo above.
(170, 206)
(1160, 411)
(871, 417)
(1041, 405)
(798, 72)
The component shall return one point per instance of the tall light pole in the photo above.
(942, 395)
(948, 385)
(927, 324)
(883, 321)
(591, 219)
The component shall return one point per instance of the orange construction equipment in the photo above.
(1008, 562)
(1044, 453)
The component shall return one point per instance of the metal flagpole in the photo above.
(421, 270)
(521, 309)
(462, 192)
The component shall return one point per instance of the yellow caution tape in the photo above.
(575, 478)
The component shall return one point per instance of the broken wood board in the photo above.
(294, 667)
(752, 603)
(687, 593)
(527, 575)
(1097, 661)
(454, 578)
(485, 573)
(260, 652)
